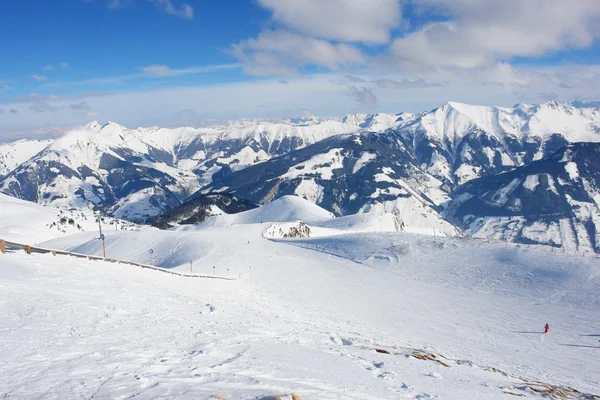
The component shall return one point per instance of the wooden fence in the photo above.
(5, 246)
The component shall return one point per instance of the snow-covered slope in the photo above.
(460, 319)
(459, 142)
(14, 154)
(284, 209)
(554, 201)
(30, 223)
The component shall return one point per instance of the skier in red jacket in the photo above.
(546, 328)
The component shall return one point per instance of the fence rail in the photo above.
(4, 246)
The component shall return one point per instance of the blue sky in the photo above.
(173, 62)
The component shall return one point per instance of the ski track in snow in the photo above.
(306, 318)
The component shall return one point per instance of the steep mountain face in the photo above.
(554, 201)
(348, 174)
(201, 207)
(459, 142)
(14, 154)
(133, 174)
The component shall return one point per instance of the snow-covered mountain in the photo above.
(14, 154)
(554, 201)
(138, 173)
(412, 166)
(459, 142)
(347, 174)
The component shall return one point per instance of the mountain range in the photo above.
(477, 170)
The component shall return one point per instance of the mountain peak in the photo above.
(94, 126)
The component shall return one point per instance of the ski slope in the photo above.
(305, 318)
(459, 318)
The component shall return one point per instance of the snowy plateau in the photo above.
(355, 311)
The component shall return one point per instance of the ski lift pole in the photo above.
(101, 236)
(103, 245)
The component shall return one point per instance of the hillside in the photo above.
(328, 301)
(29, 223)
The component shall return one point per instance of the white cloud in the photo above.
(317, 33)
(364, 97)
(42, 107)
(3, 87)
(39, 103)
(150, 71)
(35, 97)
(50, 67)
(165, 70)
(281, 52)
(470, 40)
(38, 78)
(114, 4)
(366, 21)
(158, 70)
(184, 11)
(404, 84)
(323, 94)
(477, 33)
(81, 106)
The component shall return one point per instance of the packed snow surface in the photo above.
(461, 319)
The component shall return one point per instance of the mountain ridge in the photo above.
(411, 165)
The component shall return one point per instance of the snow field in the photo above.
(460, 319)
(309, 314)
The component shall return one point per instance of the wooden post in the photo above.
(28, 249)
(54, 253)
(2, 247)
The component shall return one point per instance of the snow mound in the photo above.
(373, 222)
(284, 209)
(30, 223)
